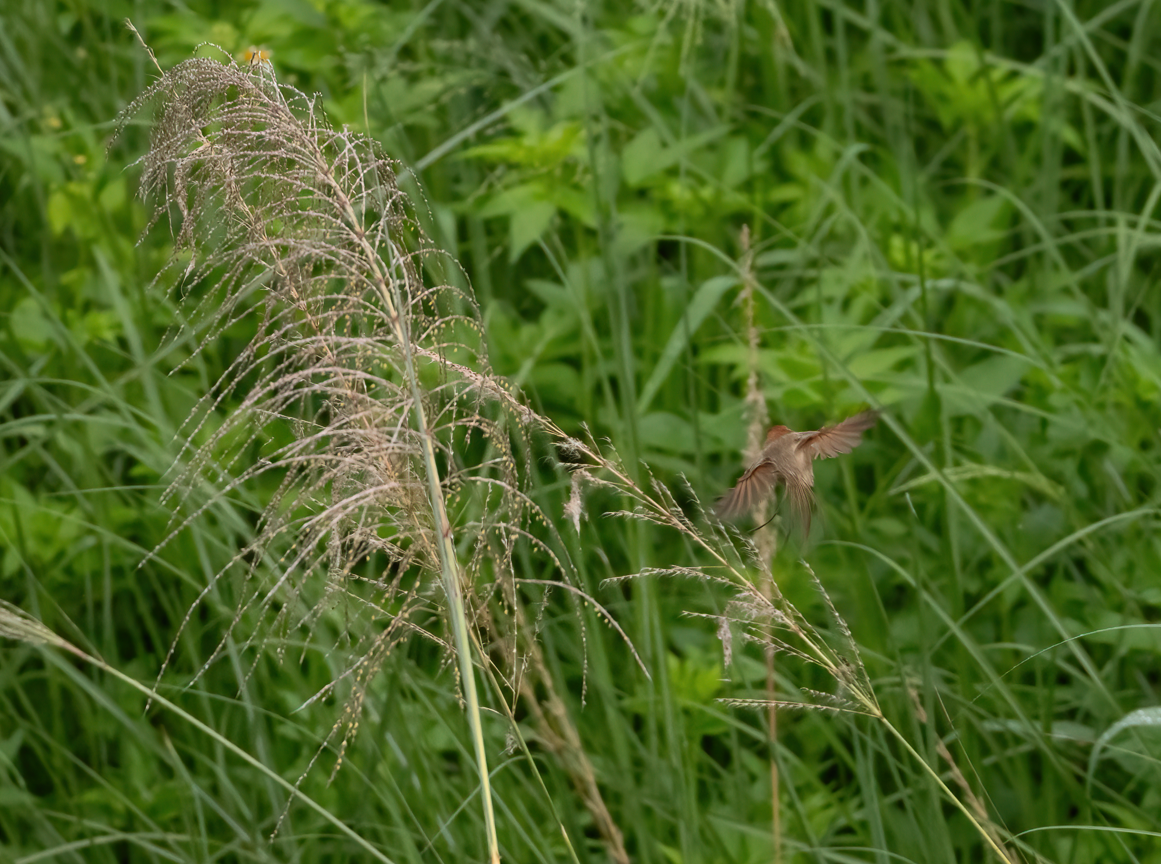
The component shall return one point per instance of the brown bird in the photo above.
(788, 459)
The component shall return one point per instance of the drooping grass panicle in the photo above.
(273, 206)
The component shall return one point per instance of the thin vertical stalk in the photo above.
(767, 537)
(449, 564)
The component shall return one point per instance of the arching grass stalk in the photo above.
(17, 624)
(763, 614)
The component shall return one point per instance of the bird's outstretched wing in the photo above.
(757, 483)
(840, 438)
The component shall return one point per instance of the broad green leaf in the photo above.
(42, 155)
(645, 156)
(526, 225)
(509, 200)
(29, 325)
(981, 221)
(737, 163)
(704, 300)
(60, 211)
(577, 203)
(871, 363)
(980, 385)
(666, 432)
(637, 225)
(528, 212)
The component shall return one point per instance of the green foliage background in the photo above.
(952, 209)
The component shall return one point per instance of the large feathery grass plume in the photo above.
(406, 450)
(382, 378)
(404, 446)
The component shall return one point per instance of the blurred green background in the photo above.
(952, 213)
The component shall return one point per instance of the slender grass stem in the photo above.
(955, 800)
(388, 290)
(15, 624)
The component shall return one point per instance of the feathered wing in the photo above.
(801, 499)
(840, 438)
(757, 483)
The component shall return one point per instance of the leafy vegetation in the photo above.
(662, 225)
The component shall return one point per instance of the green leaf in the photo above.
(870, 364)
(981, 221)
(29, 325)
(980, 385)
(529, 214)
(637, 225)
(41, 154)
(704, 300)
(666, 432)
(643, 157)
(60, 211)
(737, 163)
(526, 225)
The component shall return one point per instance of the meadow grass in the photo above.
(670, 221)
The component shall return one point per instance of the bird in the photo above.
(788, 460)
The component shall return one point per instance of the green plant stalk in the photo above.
(449, 567)
(963, 808)
(449, 564)
(54, 640)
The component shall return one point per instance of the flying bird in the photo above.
(788, 460)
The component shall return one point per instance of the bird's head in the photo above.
(775, 433)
